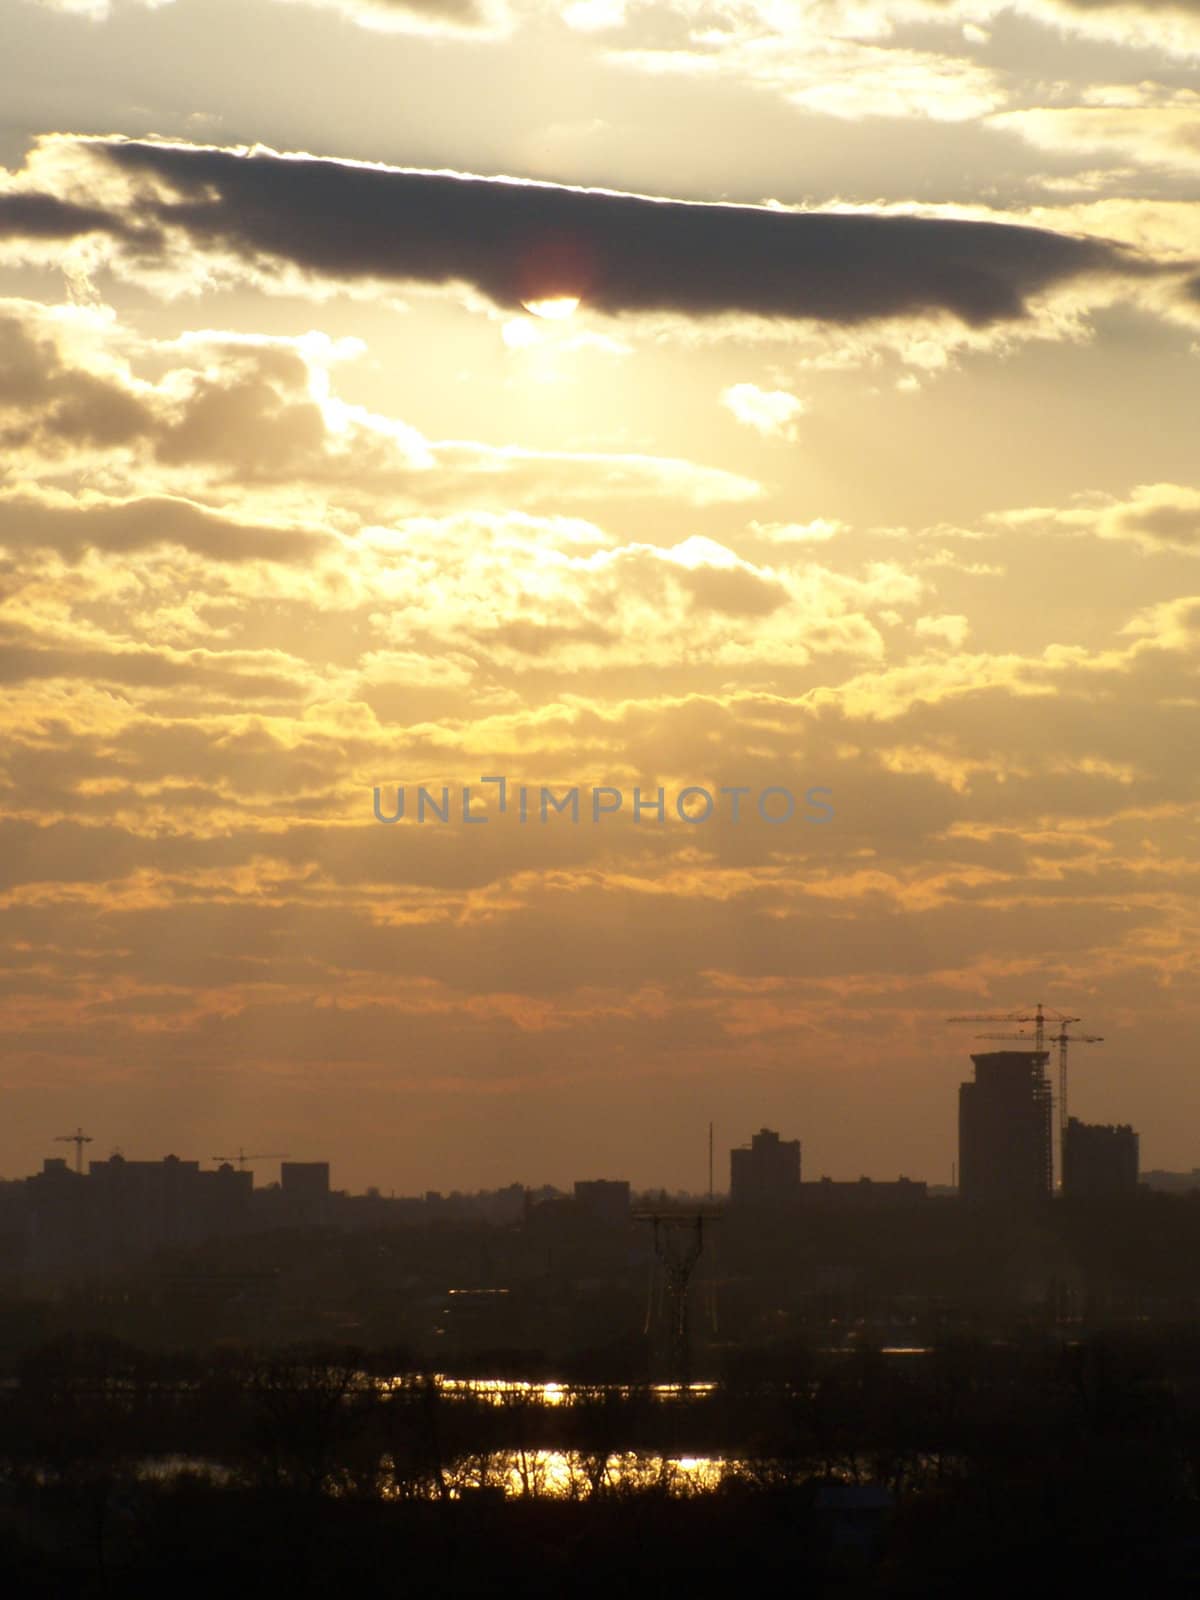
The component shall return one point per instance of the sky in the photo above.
(619, 395)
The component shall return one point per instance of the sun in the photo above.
(555, 308)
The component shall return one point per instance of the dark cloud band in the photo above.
(45, 216)
(516, 241)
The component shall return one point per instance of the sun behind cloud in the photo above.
(555, 308)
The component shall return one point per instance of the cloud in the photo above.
(951, 631)
(830, 52)
(470, 17)
(30, 215)
(212, 674)
(1160, 517)
(461, 471)
(737, 593)
(817, 531)
(1146, 8)
(593, 15)
(99, 10)
(1165, 136)
(514, 604)
(254, 531)
(29, 521)
(489, 18)
(1157, 516)
(514, 240)
(1171, 27)
(58, 406)
(241, 414)
(769, 411)
(845, 78)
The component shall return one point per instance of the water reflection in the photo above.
(507, 1474)
(520, 1438)
(499, 1391)
(573, 1474)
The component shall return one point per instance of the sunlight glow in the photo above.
(555, 309)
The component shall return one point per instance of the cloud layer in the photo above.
(519, 241)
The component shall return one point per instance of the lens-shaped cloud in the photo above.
(513, 241)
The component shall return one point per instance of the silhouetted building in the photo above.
(1171, 1182)
(606, 1199)
(307, 1178)
(1100, 1159)
(122, 1211)
(304, 1187)
(139, 1206)
(57, 1211)
(554, 1218)
(766, 1172)
(224, 1197)
(1004, 1144)
(865, 1195)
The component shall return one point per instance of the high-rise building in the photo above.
(1100, 1159)
(766, 1172)
(1004, 1144)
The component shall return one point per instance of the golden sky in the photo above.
(866, 461)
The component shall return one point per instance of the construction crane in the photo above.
(241, 1158)
(78, 1139)
(1038, 1015)
(1062, 1039)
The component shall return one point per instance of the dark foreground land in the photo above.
(977, 1465)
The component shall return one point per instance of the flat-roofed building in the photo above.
(766, 1172)
(1100, 1159)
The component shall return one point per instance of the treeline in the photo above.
(322, 1466)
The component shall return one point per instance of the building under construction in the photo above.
(1005, 1149)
